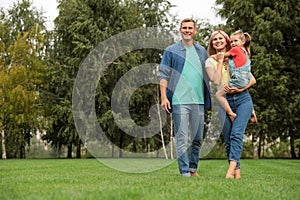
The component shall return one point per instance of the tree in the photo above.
(21, 111)
(79, 28)
(22, 74)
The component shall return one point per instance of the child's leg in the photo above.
(253, 118)
(220, 94)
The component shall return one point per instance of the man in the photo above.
(185, 92)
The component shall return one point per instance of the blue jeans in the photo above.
(242, 105)
(188, 117)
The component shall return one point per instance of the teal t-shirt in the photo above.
(190, 88)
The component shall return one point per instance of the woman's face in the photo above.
(219, 42)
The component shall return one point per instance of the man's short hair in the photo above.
(187, 20)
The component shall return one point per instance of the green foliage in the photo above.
(80, 27)
(280, 149)
(22, 18)
(20, 82)
(22, 76)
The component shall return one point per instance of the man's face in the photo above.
(187, 30)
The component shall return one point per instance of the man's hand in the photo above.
(165, 104)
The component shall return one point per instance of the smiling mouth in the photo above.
(218, 45)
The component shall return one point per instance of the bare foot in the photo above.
(237, 173)
(231, 170)
(229, 174)
(232, 116)
(253, 118)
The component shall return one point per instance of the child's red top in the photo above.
(239, 56)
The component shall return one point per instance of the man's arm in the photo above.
(165, 103)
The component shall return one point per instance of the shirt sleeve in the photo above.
(165, 66)
(210, 62)
(239, 57)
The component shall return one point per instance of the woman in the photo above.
(239, 100)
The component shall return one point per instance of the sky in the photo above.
(196, 9)
(184, 9)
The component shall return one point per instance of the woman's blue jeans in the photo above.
(242, 105)
(188, 124)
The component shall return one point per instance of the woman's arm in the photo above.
(231, 90)
(215, 74)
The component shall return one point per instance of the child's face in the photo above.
(235, 41)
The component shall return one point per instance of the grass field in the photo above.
(90, 179)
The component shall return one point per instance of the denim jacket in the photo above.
(172, 64)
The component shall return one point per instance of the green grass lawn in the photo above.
(90, 179)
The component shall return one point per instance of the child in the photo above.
(240, 69)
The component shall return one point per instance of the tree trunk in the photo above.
(261, 142)
(3, 145)
(22, 151)
(171, 138)
(255, 145)
(162, 133)
(112, 150)
(78, 149)
(121, 146)
(160, 125)
(69, 151)
(84, 150)
(292, 145)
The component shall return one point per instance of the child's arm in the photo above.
(227, 54)
(216, 57)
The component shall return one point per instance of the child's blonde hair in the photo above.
(244, 37)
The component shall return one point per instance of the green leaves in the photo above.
(22, 73)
